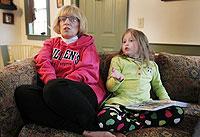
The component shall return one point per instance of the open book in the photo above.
(154, 105)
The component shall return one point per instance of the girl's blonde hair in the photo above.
(71, 10)
(145, 53)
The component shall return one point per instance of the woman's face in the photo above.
(69, 26)
(130, 46)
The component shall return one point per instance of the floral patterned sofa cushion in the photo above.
(159, 132)
(180, 75)
(39, 131)
(33, 130)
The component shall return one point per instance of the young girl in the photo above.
(131, 75)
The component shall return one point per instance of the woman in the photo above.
(70, 88)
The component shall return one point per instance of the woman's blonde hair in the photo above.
(145, 53)
(71, 10)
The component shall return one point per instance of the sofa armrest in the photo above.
(12, 76)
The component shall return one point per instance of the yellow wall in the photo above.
(171, 22)
(11, 33)
(171, 26)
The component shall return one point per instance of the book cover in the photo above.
(154, 105)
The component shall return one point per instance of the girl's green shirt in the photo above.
(139, 79)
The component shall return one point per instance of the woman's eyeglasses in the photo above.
(72, 19)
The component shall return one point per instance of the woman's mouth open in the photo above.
(66, 28)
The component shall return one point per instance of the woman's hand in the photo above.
(116, 74)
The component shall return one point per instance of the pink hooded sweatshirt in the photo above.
(78, 61)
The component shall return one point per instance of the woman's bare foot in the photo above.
(98, 134)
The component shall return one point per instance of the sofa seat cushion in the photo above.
(159, 132)
(193, 110)
(180, 75)
(192, 115)
(32, 130)
(10, 122)
(191, 118)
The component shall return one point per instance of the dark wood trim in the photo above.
(171, 44)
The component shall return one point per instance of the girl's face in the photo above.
(130, 46)
(69, 26)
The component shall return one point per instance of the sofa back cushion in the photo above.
(180, 75)
(105, 59)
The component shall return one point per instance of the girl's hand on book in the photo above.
(116, 74)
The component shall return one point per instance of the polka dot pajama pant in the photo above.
(117, 118)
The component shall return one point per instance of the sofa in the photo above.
(180, 75)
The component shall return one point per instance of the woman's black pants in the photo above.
(60, 104)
